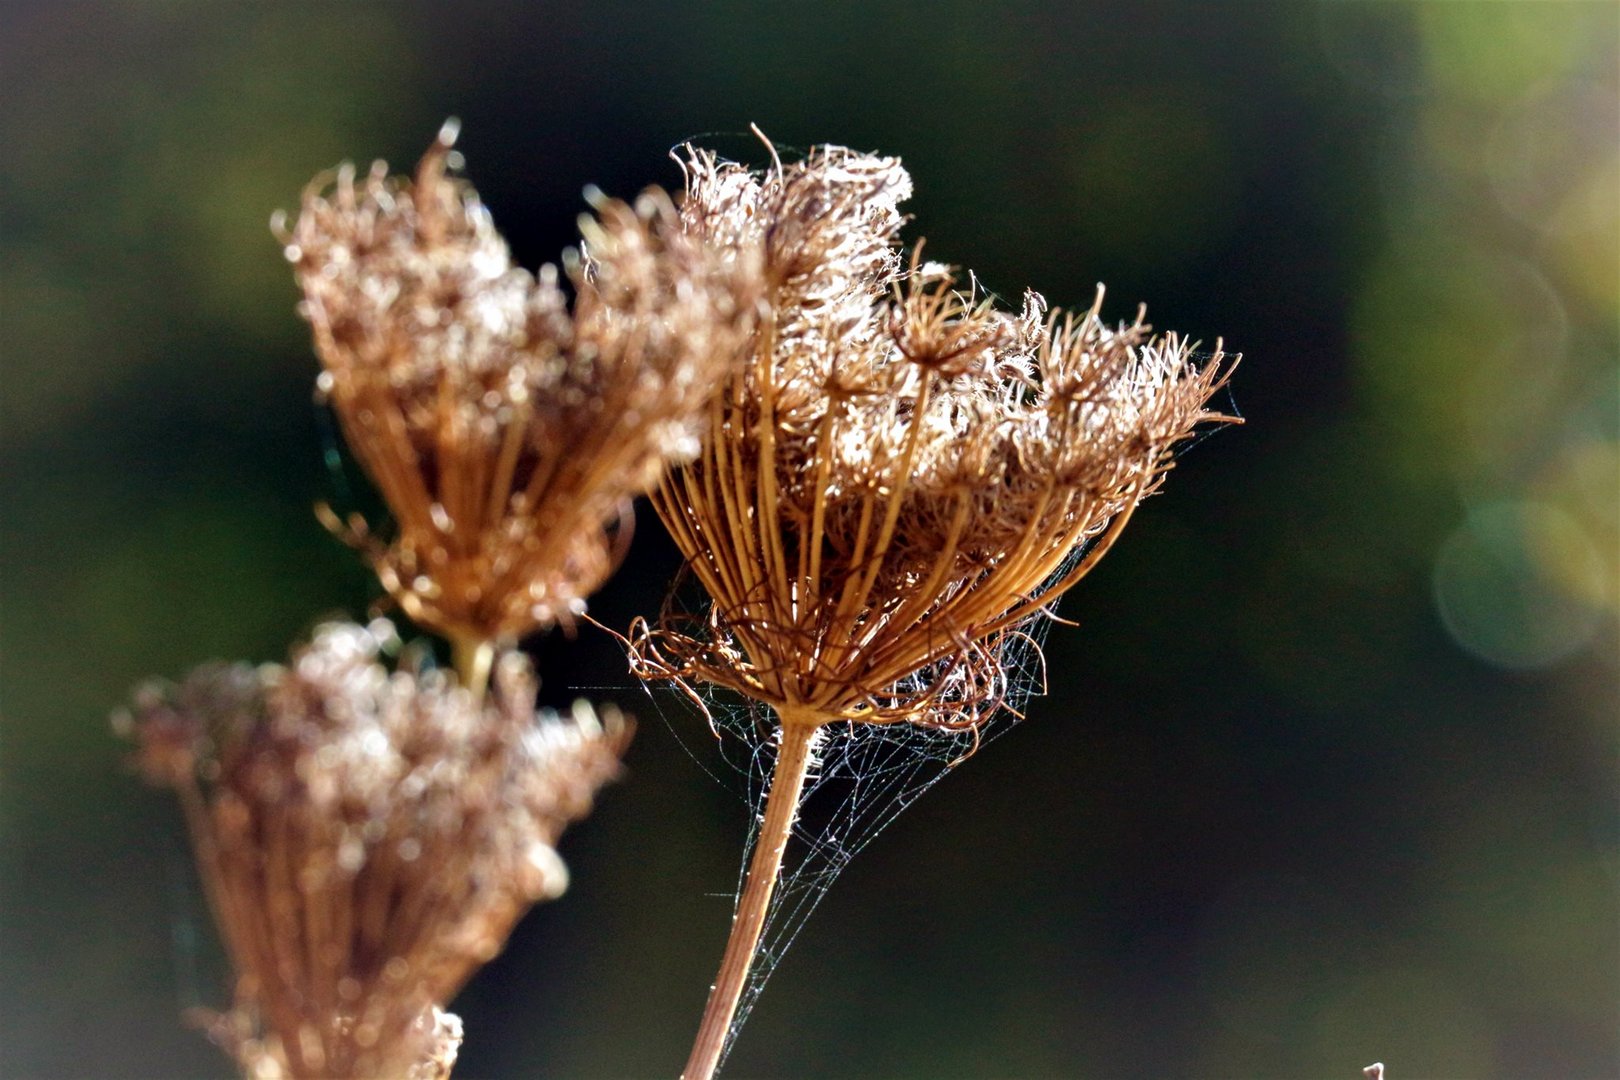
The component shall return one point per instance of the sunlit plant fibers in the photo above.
(367, 838)
(506, 427)
(898, 477)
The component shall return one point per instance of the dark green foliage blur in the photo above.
(1327, 771)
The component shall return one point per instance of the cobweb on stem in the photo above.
(866, 776)
(896, 482)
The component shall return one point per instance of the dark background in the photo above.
(1328, 769)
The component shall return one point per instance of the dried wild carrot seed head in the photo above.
(506, 428)
(900, 474)
(367, 839)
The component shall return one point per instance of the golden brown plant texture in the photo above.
(506, 428)
(367, 839)
(900, 474)
(896, 480)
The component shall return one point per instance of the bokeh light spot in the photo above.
(1499, 585)
(1586, 481)
(1546, 150)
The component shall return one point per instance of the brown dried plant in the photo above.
(506, 429)
(896, 480)
(367, 839)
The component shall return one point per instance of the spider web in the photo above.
(863, 776)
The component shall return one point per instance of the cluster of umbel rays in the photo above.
(897, 477)
(878, 476)
(368, 836)
(367, 841)
(506, 428)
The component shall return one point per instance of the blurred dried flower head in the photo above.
(507, 429)
(901, 473)
(367, 839)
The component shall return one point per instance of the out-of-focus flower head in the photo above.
(506, 427)
(367, 839)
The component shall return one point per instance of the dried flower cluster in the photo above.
(881, 478)
(506, 431)
(896, 478)
(367, 838)
(900, 474)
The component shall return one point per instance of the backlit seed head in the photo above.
(901, 473)
(506, 424)
(368, 837)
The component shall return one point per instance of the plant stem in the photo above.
(472, 658)
(798, 738)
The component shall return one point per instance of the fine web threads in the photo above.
(896, 481)
(868, 774)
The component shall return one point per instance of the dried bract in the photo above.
(900, 474)
(506, 428)
(367, 838)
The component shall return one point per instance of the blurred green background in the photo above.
(1328, 771)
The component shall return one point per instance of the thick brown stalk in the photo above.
(799, 734)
